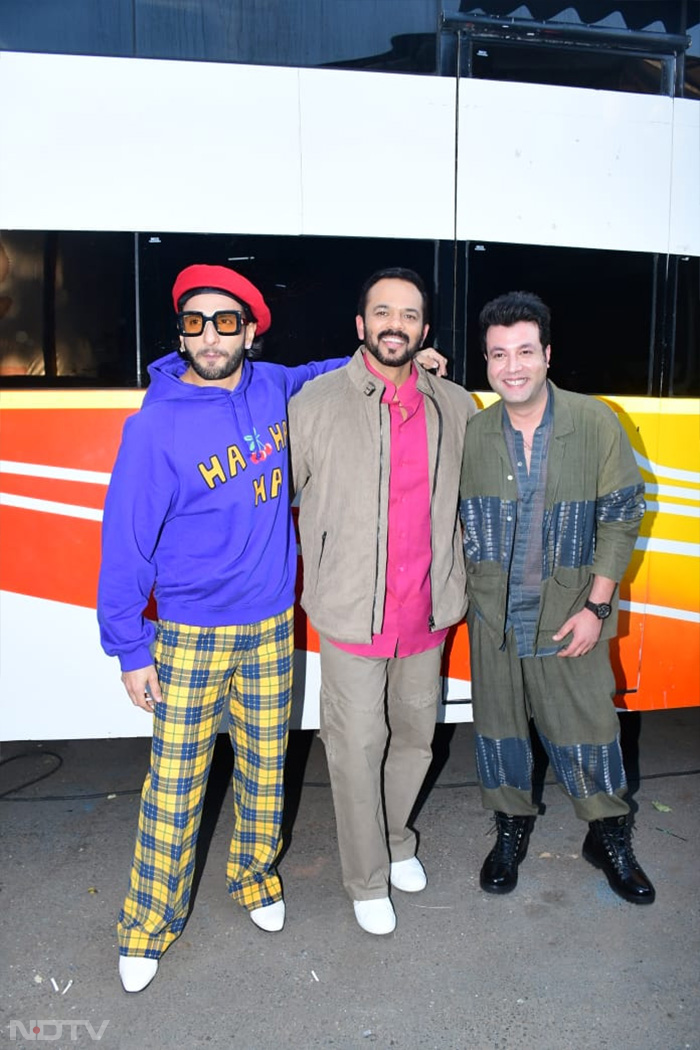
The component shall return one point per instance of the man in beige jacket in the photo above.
(376, 455)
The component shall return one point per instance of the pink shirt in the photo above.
(408, 606)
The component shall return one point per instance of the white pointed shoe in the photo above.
(136, 972)
(375, 916)
(270, 917)
(408, 875)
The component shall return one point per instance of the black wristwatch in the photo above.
(602, 610)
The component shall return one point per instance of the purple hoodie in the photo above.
(198, 506)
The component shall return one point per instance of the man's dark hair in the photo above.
(512, 307)
(247, 315)
(395, 273)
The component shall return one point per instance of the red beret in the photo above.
(225, 280)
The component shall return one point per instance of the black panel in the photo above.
(383, 35)
(634, 45)
(685, 371)
(310, 283)
(68, 27)
(668, 16)
(623, 322)
(289, 33)
(602, 305)
(397, 35)
(67, 308)
(569, 68)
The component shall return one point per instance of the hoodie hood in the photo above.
(167, 384)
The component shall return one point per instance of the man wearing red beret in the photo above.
(198, 508)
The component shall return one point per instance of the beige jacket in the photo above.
(339, 436)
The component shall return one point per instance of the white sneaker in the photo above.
(375, 916)
(408, 875)
(136, 972)
(270, 917)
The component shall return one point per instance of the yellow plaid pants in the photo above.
(201, 669)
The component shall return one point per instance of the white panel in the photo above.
(685, 189)
(56, 682)
(564, 166)
(131, 144)
(306, 713)
(457, 703)
(377, 154)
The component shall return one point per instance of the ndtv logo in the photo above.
(53, 1030)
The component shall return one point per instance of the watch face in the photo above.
(604, 611)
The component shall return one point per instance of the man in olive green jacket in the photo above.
(551, 504)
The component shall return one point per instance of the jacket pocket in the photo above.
(563, 594)
(449, 586)
(313, 565)
(477, 570)
(486, 586)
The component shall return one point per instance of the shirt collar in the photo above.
(408, 393)
(547, 416)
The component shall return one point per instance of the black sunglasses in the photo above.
(226, 322)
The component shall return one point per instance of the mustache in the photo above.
(392, 334)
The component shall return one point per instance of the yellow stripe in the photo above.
(71, 399)
(672, 406)
(667, 406)
(652, 406)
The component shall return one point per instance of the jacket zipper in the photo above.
(379, 515)
(431, 618)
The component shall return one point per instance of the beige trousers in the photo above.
(377, 725)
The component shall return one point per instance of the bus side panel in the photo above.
(57, 450)
(56, 464)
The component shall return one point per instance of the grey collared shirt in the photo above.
(526, 569)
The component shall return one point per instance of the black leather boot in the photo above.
(608, 846)
(499, 873)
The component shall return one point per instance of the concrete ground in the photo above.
(560, 964)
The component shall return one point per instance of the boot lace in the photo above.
(617, 842)
(510, 832)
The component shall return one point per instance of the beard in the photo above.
(228, 364)
(398, 359)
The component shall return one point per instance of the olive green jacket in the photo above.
(594, 504)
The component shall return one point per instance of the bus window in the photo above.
(602, 311)
(646, 48)
(686, 357)
(311, 284)
(67, 307)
